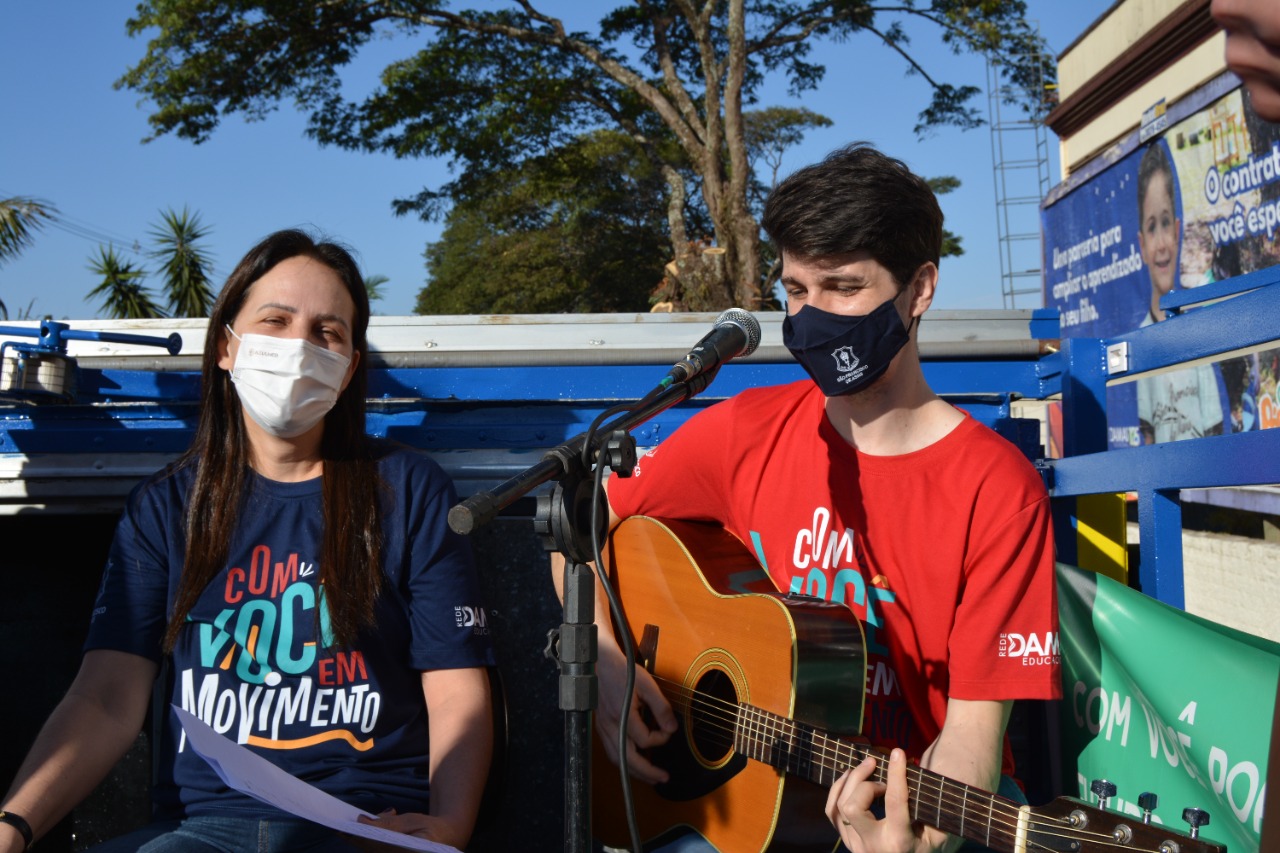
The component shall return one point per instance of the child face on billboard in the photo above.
(1158, 232)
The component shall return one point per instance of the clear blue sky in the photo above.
(71, 139)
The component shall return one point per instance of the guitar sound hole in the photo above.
(712, 715)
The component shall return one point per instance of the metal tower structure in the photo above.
(1020, 166)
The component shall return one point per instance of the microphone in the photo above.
(736, 332)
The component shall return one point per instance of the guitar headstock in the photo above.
(1073, 826)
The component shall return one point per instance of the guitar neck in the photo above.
(951, 806)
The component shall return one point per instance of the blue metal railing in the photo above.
(1224, 318)
(457, 410)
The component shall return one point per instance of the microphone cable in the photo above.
(623, 635)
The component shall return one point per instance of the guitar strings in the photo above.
(728, 716)
(712, 710)
(725, 718)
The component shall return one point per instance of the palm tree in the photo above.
(27, 313)
(121, 291)
(373, 286)
(184, 265)
(20, 218)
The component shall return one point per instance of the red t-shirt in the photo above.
(945, 554)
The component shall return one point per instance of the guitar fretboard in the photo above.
(951, 806)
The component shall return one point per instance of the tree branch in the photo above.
(908, 57)
(670, 76)
(709, 163)
(689, 139)
(942, 23)
(555, 23)
(774, 38)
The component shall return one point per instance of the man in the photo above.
(864, 486)
(1253, 49)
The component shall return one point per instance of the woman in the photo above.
(302, 585)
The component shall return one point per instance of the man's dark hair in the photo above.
(857, 199)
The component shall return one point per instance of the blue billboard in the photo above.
(1196, 203)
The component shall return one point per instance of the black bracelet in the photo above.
(19, 823)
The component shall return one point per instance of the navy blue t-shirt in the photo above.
(252, 660)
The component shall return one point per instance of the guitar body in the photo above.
(768, 690)
(710, 626)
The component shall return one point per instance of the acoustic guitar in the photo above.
(768, 689)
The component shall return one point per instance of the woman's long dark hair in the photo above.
(350, 556)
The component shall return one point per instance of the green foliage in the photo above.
(373, 285)
(996, 29)
(183, 264)
(210, 56)
(950, 240)
(494, 90)
(20, 219)
(770, 132)
(492, 87)
(184, 268)
(574, 230)
(121, 290)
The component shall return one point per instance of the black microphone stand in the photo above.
(564, 520)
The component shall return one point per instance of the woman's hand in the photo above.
(420, 825)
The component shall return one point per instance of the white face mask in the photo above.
(287, 385)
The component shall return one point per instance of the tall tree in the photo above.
(123, 295)
(184, 264)
(491, 88)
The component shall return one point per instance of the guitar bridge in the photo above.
(647, 652)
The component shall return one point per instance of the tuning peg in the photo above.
(1147, 802)
(1104, 790)
(1196, 818)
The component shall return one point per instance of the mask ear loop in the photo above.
(916, 317)
(232, 333)
(915, 320)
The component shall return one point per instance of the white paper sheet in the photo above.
(251, 774)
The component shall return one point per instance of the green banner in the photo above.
(1158, 700)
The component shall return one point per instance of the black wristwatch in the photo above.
(19, 823)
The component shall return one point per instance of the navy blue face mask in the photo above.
(844, 354)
